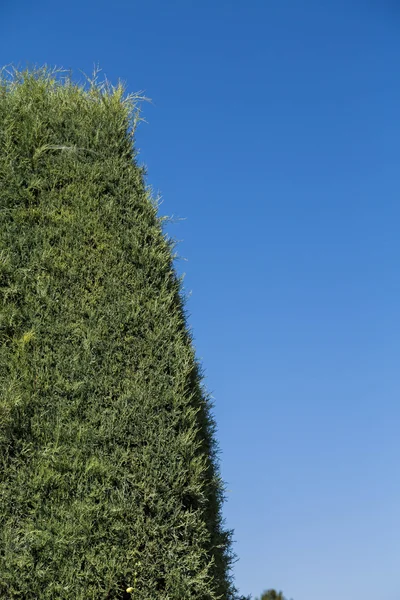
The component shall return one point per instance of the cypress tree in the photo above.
(109, 477)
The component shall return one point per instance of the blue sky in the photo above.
(274, 133)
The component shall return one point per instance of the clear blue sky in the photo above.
(275, 132)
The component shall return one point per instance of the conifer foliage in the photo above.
(109, 477)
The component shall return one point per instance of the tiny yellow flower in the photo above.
(129, 590)
(27, 337)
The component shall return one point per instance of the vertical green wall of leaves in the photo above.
(109, 478)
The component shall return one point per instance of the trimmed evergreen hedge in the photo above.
(109, 476)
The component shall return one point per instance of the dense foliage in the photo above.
(272, 595)
(108, 477)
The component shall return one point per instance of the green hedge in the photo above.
(109, 477)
